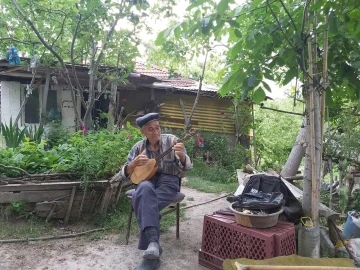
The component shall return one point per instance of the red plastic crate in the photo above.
(285, 239)
(210, 261)
(223, 239)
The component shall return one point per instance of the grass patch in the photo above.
(25, 228)
(200, 184)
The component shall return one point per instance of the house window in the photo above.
(51, 102)
(32, 107)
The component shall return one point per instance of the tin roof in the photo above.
(152, 76)
(165, 80)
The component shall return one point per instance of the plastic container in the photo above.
(351, 227)
(256, 221)
(309, 239)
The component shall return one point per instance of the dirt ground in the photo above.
(82, 253)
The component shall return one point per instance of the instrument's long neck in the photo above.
(166, 152)
(170, 149)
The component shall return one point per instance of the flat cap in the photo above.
(147, 118)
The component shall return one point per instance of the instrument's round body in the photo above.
(145, 172)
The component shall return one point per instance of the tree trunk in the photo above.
(45, 94)
(306, 202)
(112, 107)
(91, 100)
(297, 153)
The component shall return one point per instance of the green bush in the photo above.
(12, 134)
(225, 158)
(212, 172)
(56, 134)
(94, 156)
(34, 133)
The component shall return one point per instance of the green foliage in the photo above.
(276, 133)
(267, 40)
(17, 208)
(98, 154)
(12, 134)
(94, 156)
(225, 159)
(342, 134)
(31, 157)
(35, 133)
(56, 134)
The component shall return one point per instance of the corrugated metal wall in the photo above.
(211, 114)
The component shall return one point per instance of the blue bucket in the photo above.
(351, 230)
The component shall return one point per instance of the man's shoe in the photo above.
(152, 252)
(146, 264)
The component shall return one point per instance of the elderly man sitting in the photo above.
(153, 195)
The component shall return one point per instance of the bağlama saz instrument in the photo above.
(148, 170)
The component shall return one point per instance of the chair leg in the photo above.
(129, 224)
(177, 220)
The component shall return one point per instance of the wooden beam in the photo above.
(100, 184)
(22, 75)
(12, 69)
(66, 221)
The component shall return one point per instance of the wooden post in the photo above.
(106, 200)
(71, 200)
(112, 107)
(82, 202)
(331, 182)
(254, 137)
(46, 92)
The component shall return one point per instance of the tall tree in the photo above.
(284, 40)
(91, 32)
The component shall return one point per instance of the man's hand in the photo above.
(179, 151)
(139, 160)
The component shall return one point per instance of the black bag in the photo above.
(259, 201)
(268, 184)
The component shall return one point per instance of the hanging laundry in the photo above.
(13, 56)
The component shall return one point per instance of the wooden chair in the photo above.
(174, 206)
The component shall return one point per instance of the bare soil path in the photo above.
(83, 254)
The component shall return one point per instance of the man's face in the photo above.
(152, 131)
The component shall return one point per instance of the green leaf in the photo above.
(167, 32)
(160, 38)
(228, 85)
(355, 64)
(251, 80)
(223, 6)
(267, 87)
(259, 96)
(237, 33)
(177, 32)
(290, 74)
(333, 23)
(235, 50)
